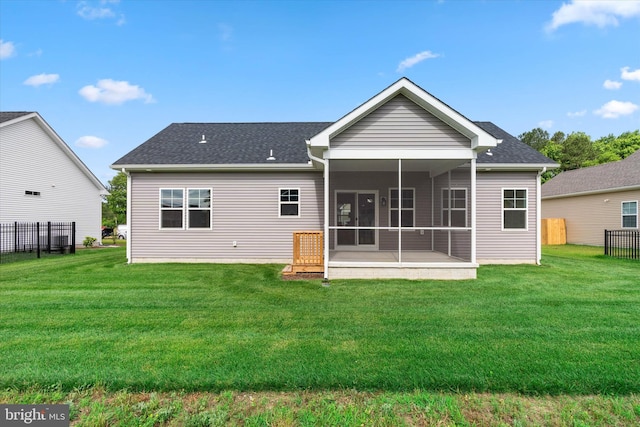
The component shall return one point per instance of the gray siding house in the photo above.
(594, 199)
(42, 179)
(403, 186)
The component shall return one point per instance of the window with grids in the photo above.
(289, 202)
(171, 207)
(403, 208)
(630, 214)
(514, 209)
(199, 208)
(458, 207)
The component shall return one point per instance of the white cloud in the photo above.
(7, 49)
(546, 124)
(89, 141)
(594, 12)
(410, 62)
(630, 75)
(577, 113)
(88, 11)
(225, 31)
(42, 79)
(614, 109)
(611, 85)
(114, 92)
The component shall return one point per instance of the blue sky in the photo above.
(108, 74)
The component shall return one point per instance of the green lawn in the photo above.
(570, 326)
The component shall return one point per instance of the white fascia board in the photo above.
(63, 146)
(478, 136)
(292, 167)
(589, 193)
(387, 153)
(485, 167)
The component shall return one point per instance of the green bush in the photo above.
(89, 241)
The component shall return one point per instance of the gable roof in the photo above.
(511, 151)
(8, 118)
(616, 176)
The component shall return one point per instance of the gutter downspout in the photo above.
(124, 171)
(538, 214)
(325, 175)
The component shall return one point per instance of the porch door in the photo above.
(356, 209)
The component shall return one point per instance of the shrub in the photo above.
(89, 241)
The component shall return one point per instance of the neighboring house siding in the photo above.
(31, 161)
(245, 210)
(493, 244)
(587, 217)
(400, 123)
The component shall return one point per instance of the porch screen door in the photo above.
(356, 210)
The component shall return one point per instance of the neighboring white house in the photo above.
(595, 198)
(402, 186)
(42, 179)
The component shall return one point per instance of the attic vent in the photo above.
(489, 153)
(204, 140)
(270, 158)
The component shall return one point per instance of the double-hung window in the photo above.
(289, 202)
(514, 209)
(402, 208)
(199, 208)
(456, 206)
(174, 213)
(630, 214)
(171, 208)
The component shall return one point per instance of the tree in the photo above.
(576, 150)
(117, 198)
(536, 138)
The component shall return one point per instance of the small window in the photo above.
(289, 202)
(199, 208)
(171, 207)
(31, 193)
(458, 207)
(514, 209)
(630, 214)
(403, 208)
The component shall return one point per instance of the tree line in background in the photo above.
(572, 151)
(577, 150)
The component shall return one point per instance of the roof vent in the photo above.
(489, 153)
(204, 140)
(271, 158)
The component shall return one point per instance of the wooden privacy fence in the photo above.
(622, 243)
(308, 252)
(554, 231)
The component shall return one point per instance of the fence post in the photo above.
(606, 252)
(15, 237)
(73, 237)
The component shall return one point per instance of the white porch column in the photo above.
(400, 211)
(326, 219)
(473, 209)
(130, 230)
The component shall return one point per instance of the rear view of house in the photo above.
(41, 178)
(594, 199)
(402, 186)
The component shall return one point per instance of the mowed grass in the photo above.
(570, 326)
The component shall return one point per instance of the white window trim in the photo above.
(187, 209)
(400, 208)
(160, 209)
(280, 202)
(465, 209)
(622, 215)
(526, 210)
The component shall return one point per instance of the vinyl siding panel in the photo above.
(588, 216)
(494, 244)
(31, 160)
(400, 123)
(245, 210)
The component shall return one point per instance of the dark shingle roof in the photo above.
(250, 143)
(609, 176)
(227, 143)
(5, 116)
(511, 150)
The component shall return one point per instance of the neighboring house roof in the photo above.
(8, 118)
(616, 176)
(253, 143)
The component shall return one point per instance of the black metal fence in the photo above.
(24, 240)
(622, 243)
